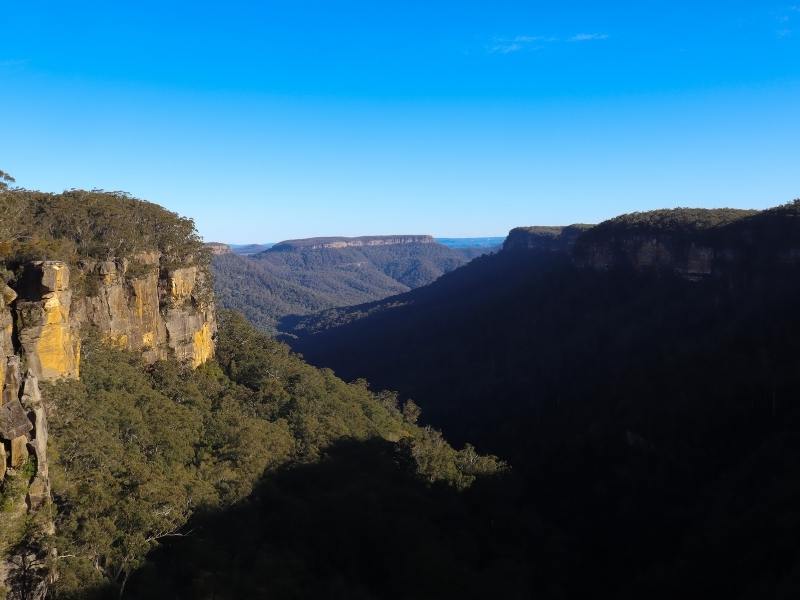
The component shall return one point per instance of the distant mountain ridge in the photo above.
(247, 249)
(319, 243)
(299, 277)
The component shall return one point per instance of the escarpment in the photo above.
(147, 306)
(544, 238)
(72, 265)
(158, 310)
(694, 243)
(355, 242)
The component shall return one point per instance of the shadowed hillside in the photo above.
(642, 378)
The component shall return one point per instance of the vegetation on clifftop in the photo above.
(671, 220)
(89, 224)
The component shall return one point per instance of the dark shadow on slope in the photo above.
(512, 351)
(654, 418)
(360, 524)
(357, 524)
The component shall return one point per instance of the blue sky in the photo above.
(273, 120)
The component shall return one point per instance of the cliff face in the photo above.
(692, 259)
(156, 310)
(7, 296)
(694, 243)
(544, 238)
(218, 248)
(357, 242)
(156, 301)
(153, 308)
(48, 339)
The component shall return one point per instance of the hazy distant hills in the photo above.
(474, 246)
(299, 277)
(247, 249)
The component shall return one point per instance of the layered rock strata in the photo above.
(160, 312)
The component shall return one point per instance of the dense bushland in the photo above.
(96, 224)
(139, 450)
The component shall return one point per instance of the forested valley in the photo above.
(604, 410)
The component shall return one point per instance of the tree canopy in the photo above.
(5, 179)
(140, 450)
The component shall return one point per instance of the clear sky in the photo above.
(281, 119)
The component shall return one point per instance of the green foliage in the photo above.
(411, 412)
(674, 219)
(138, 450)
(29, 562)
(670, 220)
(5, 179)
(96, 224)
(15, 484)
(359, 523)
(437, 460)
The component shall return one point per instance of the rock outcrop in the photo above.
(39, 489)
(218, 248)
(141, 305)
(48, 338)
(7, 296)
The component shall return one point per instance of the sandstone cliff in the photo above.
(161, 311)
(157, 310)
(153, 307)
(155, 298)
(218, 248)
(7, 296)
